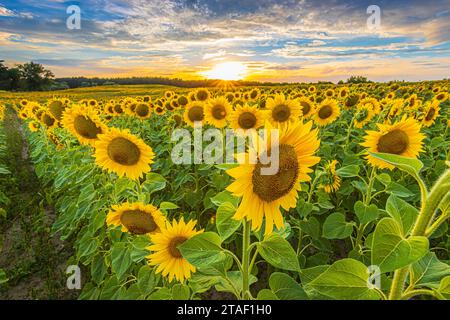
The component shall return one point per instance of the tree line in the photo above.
(29, 76)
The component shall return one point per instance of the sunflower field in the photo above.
(358, 208)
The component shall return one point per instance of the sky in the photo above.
(276, 40)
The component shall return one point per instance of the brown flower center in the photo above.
(272, 187)
(395, 142)
(202, 95)
(219, 112)
(306, 107)
(138, 222)
(247, 120)
(124, 151)
(195, 113)
(142, 110)
(118, 109)
(281, 113)
(430, 114)
(57, 109)
(173, 246)
(86, 128)
(48, 120)
(325, 112)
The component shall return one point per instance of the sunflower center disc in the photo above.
(173, 246)
(306, 107)
(202, 95)
(48, 120)
(430, 114)
(142, 110)
(281, 113)
(218, 112)
(325, 112)
(138, 222)
(196, 114)
(272, 187)
(86, 127)
(123, 151)
(247, 120)
(56, 108)
(118, 108)
(395, 142)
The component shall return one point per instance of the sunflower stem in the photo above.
(430, 203)
(246, 261)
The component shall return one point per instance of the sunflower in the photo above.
(166, 254)
(372, 103)
(329, 93)
(246, 118)
(363, 115)
(169, 94)
(351, 101)
(343, 93)
(84, 124)
(281, 111)
(312, 89)
(182, 101)
(56, 108)
(33, 126)
(194, 112)
(307, 106)
(262, 195)
(330, 180)
(401, 138)
(136, 218)
(217, 111)
(143, 110)
(431, 112)
(254, 94)
(202, 95)
(123, 153)
(230, 97)
(48, 120)
(327, 112)
(160, 110)
(441, 96)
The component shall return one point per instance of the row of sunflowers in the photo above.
(350, 195)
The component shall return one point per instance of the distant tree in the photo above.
(35, 77)
(357, 79)
(341, 82)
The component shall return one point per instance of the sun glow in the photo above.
(227, 71)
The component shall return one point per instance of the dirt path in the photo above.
(34, 261)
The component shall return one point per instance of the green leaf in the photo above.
(98, 269)
(225, 223)
(404, 213)
(153, 183)
(311, 227)
(398, 190)
(203, 249)
(444, 287)
(224, 196)
(266, 294)
(335, 227)
(3, 277)
(146, 280)
(168, 206)
(429, 271)
(120, 259)
(409, 165)
(181, 292)
(161, 294)
(365, 213)
(391, 251)
(346, 279)
(384, 178)
(278, 252)
(235, 278)
(348, 171)
(286, 288)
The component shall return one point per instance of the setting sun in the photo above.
(227, 71)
